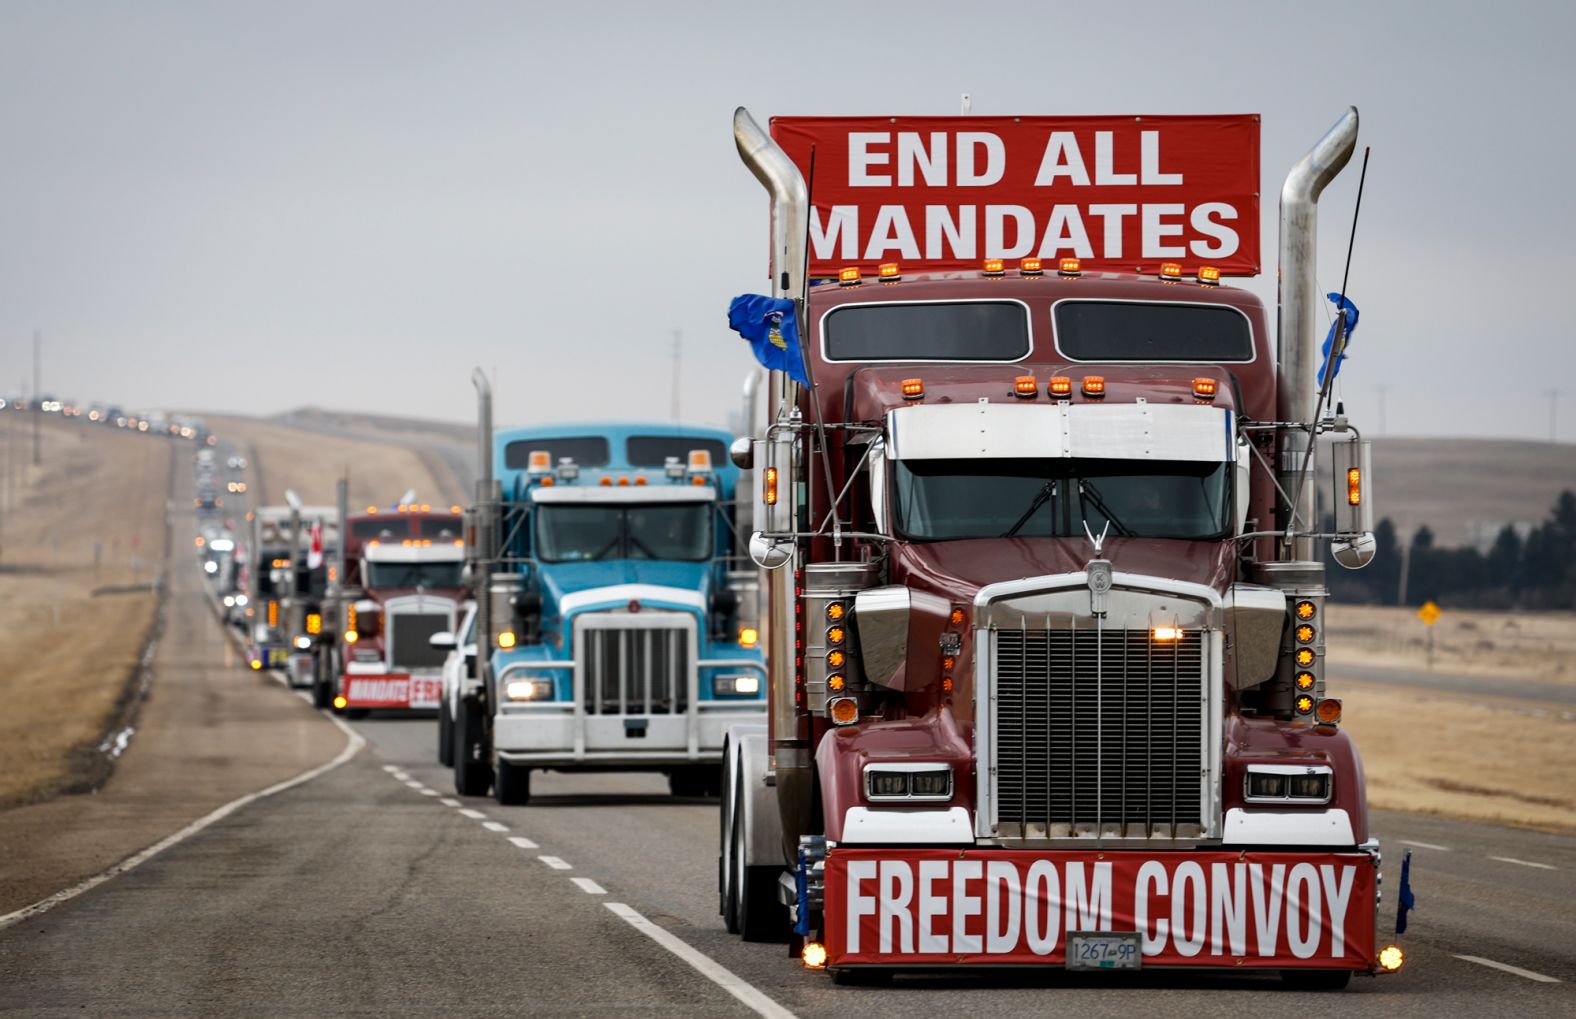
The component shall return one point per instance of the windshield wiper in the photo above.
(1087, 488)
(1040, 497)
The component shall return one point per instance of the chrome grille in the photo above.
(1097, 733)
(630, 671)
(408, 639)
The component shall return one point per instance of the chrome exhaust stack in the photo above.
(1297, 343)
(483, 521)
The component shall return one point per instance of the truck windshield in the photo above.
(942, 500)
(387, 575)
(574, 533)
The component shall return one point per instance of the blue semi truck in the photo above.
(614, 628)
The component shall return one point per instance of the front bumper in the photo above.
(367, 686)
(558, 737)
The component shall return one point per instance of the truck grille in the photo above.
(1097, 733)
(631, 671)
(408, 634)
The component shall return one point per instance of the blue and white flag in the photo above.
(772, 328)
(1341, 303)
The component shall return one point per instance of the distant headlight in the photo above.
(736, 686)
(529, 689)
(241, 600)
(303, 643)
(229, 601)
(210, 567)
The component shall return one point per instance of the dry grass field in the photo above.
(91, 518)
(285, 457)
(1514, 645)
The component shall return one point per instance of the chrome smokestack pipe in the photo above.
(1297, 344)
(790, 202)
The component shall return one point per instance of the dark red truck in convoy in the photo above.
(1046, 601)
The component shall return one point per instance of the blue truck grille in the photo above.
(633, 671)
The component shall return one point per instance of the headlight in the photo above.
(1289, 783)
(210, 566)
(529, 689)
(908, 782)
(229, 601)
(241, 600)
(303, 643)
(736, 686)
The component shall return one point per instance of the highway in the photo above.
(368, 889)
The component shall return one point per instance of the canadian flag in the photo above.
(314, 555)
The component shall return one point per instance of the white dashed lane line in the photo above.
(474, 815)
(523, 843)
(589, 886)
(495, 826)
(415, 784)
(555, 863)
(449, 801)
(1423, 845)
(391, 768)
(1507, 968)
(430, 792)
(1523, 863)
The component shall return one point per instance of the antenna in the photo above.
(967, 104)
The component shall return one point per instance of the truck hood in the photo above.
(579, 586)
(956, 570)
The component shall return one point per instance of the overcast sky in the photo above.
(258, 207)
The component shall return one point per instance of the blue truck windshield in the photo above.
(941, 500)
(382, 576)
(582, 533)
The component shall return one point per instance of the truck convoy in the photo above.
(396, 585)
(287, 578)
(613, 629)
(1045, 607)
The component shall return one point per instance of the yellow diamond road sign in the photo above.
(1428, 613)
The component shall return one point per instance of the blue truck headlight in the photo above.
(736, 686)
(529, 689)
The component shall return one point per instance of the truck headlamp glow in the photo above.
(1288, 783)
(749, 636)
(303, 643)
(736, 686)
(351, 636)
(529, 689)
(506, 639)
(1391, 958)
(1166, 634)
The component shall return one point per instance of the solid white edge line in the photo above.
(1507, 968)
(1523, 863)
(523, 843)
(556, 863)
(1423, 845)
(353, 743)
(495, 826)
(703, 964)
(589, 886)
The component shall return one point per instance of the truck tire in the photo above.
(471, 774)
(1316, 979)
(511, 785)
(322, 689)
(727, 905)
(757, 913)
(445, 732)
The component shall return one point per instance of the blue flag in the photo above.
(773, 331)
(1351, 327)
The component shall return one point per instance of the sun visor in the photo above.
(1116, 431)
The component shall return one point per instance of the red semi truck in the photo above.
(399, 583)
(1046, 604)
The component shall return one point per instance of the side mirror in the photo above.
(443, 640)
(1354, 545)
(1354, 553)
(768, 554)
(742, 453)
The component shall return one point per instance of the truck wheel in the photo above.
(512, 785)
(726, 903)
(471, 774)
(445, 732)
(1316, 979)
(322, 690)
(759, 916)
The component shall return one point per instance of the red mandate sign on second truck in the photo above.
(1121, 194)
(1224, 909)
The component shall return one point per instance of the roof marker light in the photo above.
(1171, 271)
(604, 481)
(640, 479)
(848, 277)
(993, 268)
(913, 389)
(1070, 267)
(1025, 386)
(539, 462)
(699, 460)
(1094, 386)
(1059, 386)
(1032, 268)
(1209, 275)
(1204, 389)
(888, 272)
(623, 482)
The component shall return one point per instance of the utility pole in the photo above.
(38, 411)
(1554, 399)
(678, 353)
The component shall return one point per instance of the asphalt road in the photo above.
(371, 890)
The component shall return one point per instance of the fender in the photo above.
(1265, 741)
(937, 736)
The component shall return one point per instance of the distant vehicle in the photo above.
(461, 646)
(208, 502)
(236, 463)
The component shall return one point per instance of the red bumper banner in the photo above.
(1219, 909)
(392, 691)
(941, 193)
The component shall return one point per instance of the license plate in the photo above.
(1104, 950)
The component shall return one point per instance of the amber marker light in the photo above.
(1209, 275)
(257, 664)
(948, 663)
(835, 635)
(506, 639)
(1305, 634)
(1070, 267)
(1304, 681)
(913, 389)
(605, 482)
(1032, 268)
(1391, 958)
(888, 272)
(351, 636)
(1305, 610)
(1166, 633)
(848, 277)
(813, 955)
(835, 683)
(843, 711)
(835, 612)
(1060, 386)
(1305, 656)
(1170, 270)
(1204, 389)
(836, 659)
(1094, 385)
(994, 267)
(956, 619)
(749, 636)
(1354, 486)
(1329, 711)
(946, 684)
(1026, 387)
(769, 486)
(340, 702)
(1304, 704)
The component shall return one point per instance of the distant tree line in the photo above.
(1536, 573)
